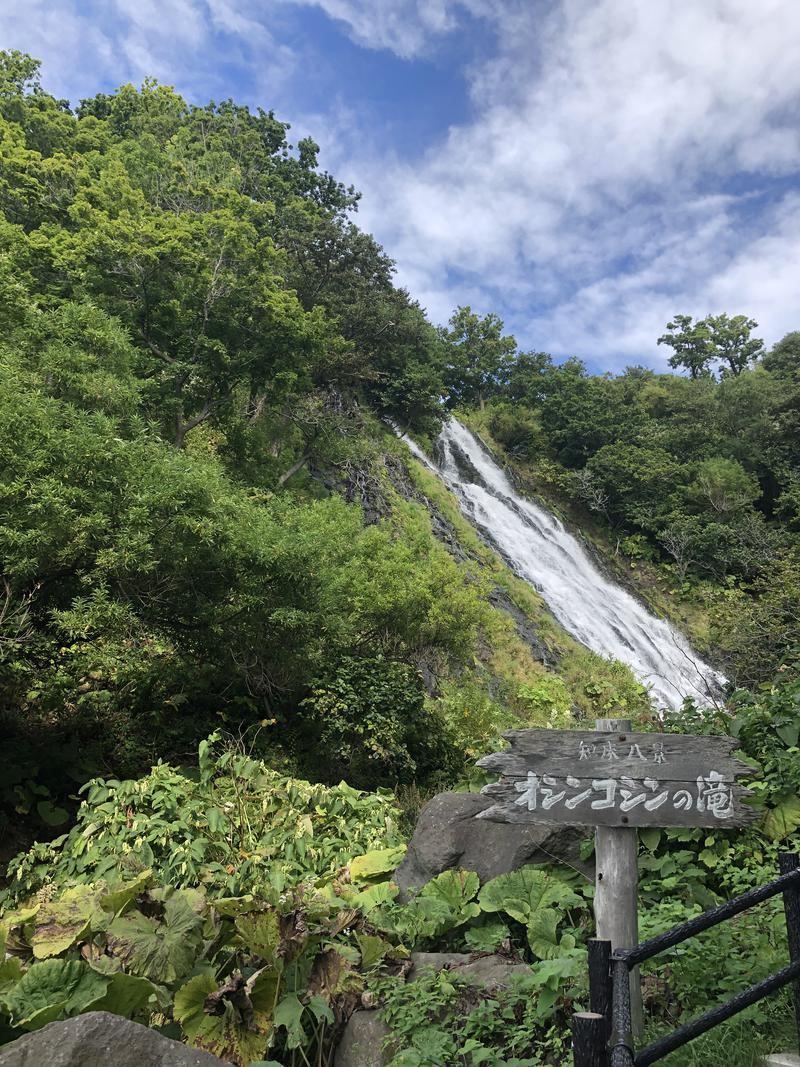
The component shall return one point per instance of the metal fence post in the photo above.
(588, 1039)
(789, 861)
(600, 982)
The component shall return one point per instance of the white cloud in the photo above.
(604, 180)
(593, 176)
(406, 27)
(87, 44)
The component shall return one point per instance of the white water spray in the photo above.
(599, 613)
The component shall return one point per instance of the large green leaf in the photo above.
(61, 923)
(10, 974)
(487, 938)
(542, 933)
(233, 1021)
(521, 893)
(119, 899)
(380, 861)
(231, 906)
(260, 934)
(51, 813)
(289, 1014)
(163, 951)
(783, 820)
(372, 949)
(374, 896)
(126, 995)
(51, 990)
(457, 889)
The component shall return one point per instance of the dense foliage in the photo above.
(208, 531)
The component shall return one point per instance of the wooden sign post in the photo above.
(616, 781)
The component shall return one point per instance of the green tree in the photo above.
(691, 345)
(732, 343)
(697, 345)
(478, 356)
(723, 487)
(783, 359)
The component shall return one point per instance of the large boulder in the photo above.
(361, 1044)
(100, 1039)
(448, 835)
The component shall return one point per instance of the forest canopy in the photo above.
(202, 521)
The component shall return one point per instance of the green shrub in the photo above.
(235, 825)
(370, 719)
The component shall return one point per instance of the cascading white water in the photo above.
(596, 611)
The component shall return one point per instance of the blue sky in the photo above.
(585, 168)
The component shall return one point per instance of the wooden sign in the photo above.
(598, 778)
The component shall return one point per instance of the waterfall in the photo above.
(596, 611)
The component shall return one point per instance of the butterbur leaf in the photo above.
(426, 917)
(20, 917)
(380, 861)
(521, 893)
(788, 733)
(260, 934)
(320, 1010)
(61, 923)
(457, 890)
(542, 936)
(783, 820)
(126, 995)
(289, 1014)
(51, 990)
(163, 951)
(487, 938)
(231, 906)
(119, 899)
(374, 896)
(455, 887)
(372, 949)
(233, 1021)
(10, 974)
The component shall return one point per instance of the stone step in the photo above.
(782, 1059)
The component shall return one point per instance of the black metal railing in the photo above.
(603, 1037)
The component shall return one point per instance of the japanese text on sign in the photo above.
(711, 794)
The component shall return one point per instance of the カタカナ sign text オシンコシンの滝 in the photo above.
(597, 778)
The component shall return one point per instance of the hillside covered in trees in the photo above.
(208, 527)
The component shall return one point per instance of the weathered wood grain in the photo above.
(509, 791)
(616, 889)
(596, 754)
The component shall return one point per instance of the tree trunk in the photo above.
(295, 467)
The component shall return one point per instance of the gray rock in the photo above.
(448, 835)
(783, 1059)
(362, 1041)
(485, 971)
(100, 1039)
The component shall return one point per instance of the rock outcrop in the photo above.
(100, 1039)
(448, 835)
